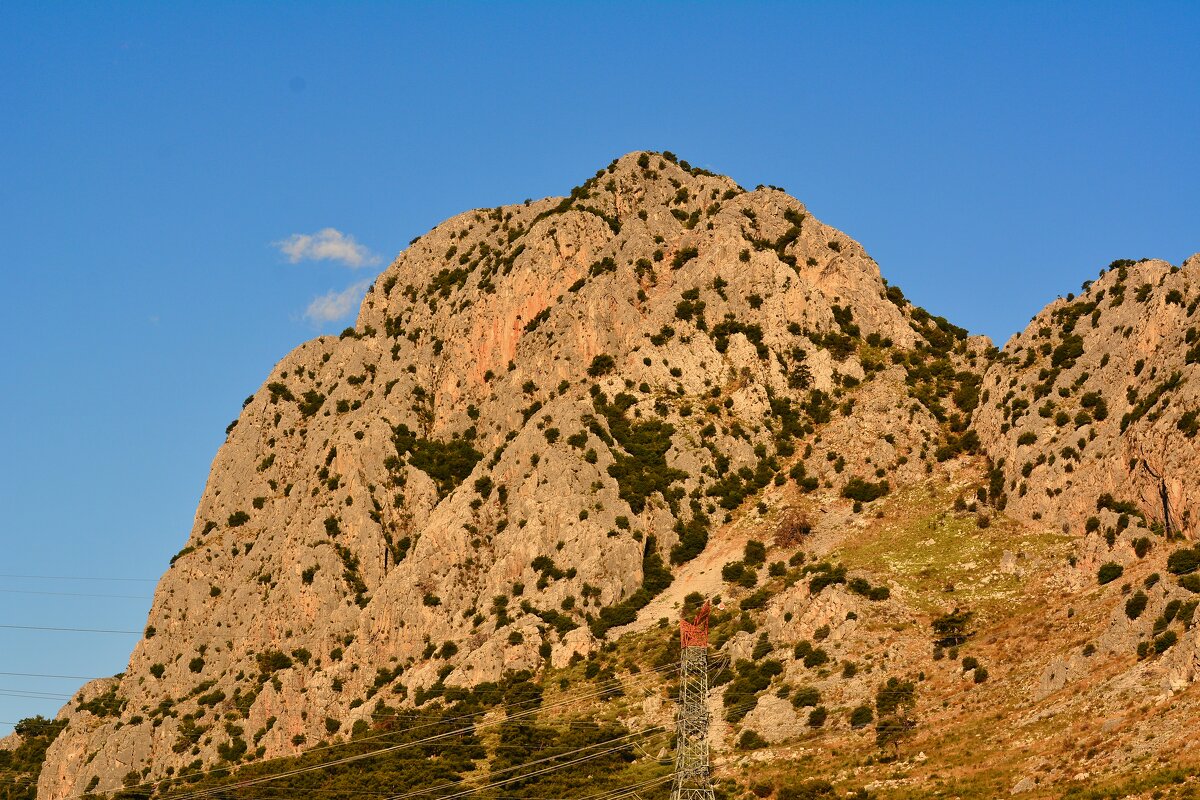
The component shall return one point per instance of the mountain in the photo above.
(555, 426)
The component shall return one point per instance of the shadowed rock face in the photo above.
(544, 408)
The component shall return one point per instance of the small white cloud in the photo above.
(336, 305)
(327, 244)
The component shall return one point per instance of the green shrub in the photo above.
(684, 255)
(311, 403)
(1109, 572)
(21, 765)
(1183, 562)
(864, 491)
(1067, 351)
(805, 697)
(861, 716)
(894, 702)
(816, 658)
(1135, 605)
(762, 647)
(808, 790)
(1165, 641)
(750, 740)
(106, 704)
(751, 679)
(640, 467)
(272, 661)
(447, 463)
(238, 518)
(602, 364)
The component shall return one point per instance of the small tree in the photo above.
(951, 629)
(894, 704)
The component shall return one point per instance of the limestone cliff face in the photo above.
(536, 404)
(1093, 407)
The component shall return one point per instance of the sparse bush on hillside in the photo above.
(601, 365)
(950, 630)
(684, 255)
(752, 678)
(805, 697)
(861, 716)
(272, 661)
(1109, 572)
(1183, 562)
(864, 491)
(640, 467)
(751, 740)
(447, 463)
(1135, 605)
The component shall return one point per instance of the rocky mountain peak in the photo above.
(555, 423)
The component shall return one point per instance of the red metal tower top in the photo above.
(695, 633)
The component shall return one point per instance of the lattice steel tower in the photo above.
(692, 780)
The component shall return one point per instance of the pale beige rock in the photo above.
(1136, 345)
(775, 720)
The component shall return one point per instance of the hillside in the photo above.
(943, 568)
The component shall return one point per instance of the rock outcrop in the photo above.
(1092, 411)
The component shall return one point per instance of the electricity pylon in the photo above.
(692, 780)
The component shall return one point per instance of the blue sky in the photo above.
(154, 156)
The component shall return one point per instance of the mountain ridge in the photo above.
(547, 413)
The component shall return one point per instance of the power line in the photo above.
(78, 594)
(563, 701)
(636, 680)
(33, 694)
(43, 675)
(611, 793)
(67, 630)
(76, 578)
(526, 775)
(358, 757)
